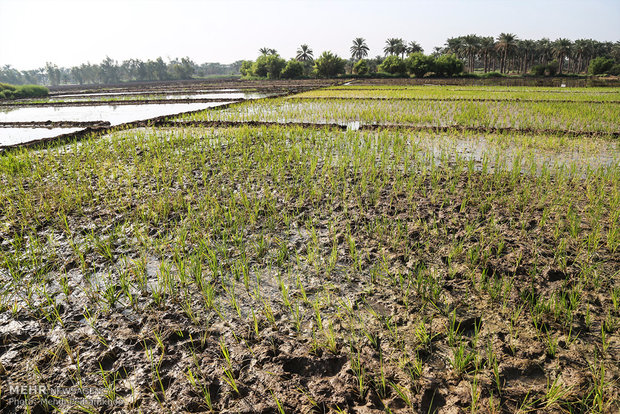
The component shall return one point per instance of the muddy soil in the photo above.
(392, 313)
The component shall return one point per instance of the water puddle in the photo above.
(115, 114)
(490, 154)
(154, 95)
(12, 136)
(144, 92)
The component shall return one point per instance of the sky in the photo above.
(72, 32)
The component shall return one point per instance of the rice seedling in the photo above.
(275, 245)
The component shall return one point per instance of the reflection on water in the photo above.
(115, 114)
(491, 153)
(151, 96)
(153, 92)
(12, 136)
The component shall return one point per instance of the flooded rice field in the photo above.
(221, 262)
(120, 106)
(14, 136)
(115, 114)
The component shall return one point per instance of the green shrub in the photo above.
(385, 75)
(614, 70)
(448, 65)
(493, 75)
(32, 91)
(600, 65)
(393, 65)
(361, 67)
(24, 91)
(6, 86)
(268, 66)
(419, 64)
(552, 68)
(539, 70)
(293, 69)
(329, 65)
(246, 68)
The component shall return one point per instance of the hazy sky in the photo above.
(70, 32)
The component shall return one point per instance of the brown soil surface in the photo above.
(389, 299)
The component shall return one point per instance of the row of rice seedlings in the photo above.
(579, 117)
(451, 93)
(218, 209)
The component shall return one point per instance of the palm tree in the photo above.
(505, 42)
(360, 49)
(543, 48)
(561, 50)
(487, 45)
(267, 51)
(471, 46)
(394, 46)
(304, 54)
(581, 49)
(526, 51)
(414, 47)
(615, 50)
(454, 45)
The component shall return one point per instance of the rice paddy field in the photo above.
(353, 249)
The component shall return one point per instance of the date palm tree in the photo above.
(543, 49)
(561, 50)
(304, 54)
(267, 51)
(487, 47)
(414, 47)
(527, 49)
(360, 49)
(394, 46)
(581, 49)
(471, 47)
(505, 43)
(454, 45)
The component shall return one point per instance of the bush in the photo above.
(552, 68)
(493, 75)
(246, 68)
(293, 69)
(600, 65)
(614, 70)
(361, 67)
(268, 66)
(32, 91)
(419, 64)
(393, 65)
(539, 70)
(24, 91)
(329, 65)
(385, 75)
(448, 65)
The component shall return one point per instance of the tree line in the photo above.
(472, 54)
(110, 71)
(507, 53)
